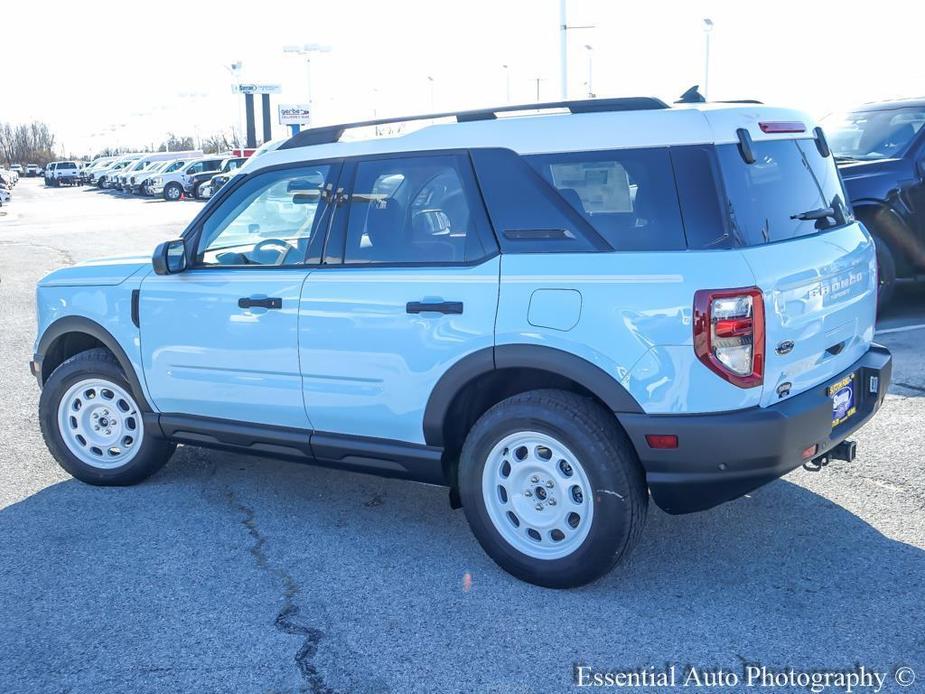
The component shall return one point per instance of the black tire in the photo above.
(591, 433)
(99, 183)
(173, 189)
(152, 452)
(196, 191)
(886, 274)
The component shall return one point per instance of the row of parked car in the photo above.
(8, 179)
(171, 175)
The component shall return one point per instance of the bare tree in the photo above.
(216, 144)
(26, 143)
(175, 143)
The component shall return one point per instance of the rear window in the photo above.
(789, 177)
(66, 165)
(627, 196)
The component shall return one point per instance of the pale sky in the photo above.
(125, 73)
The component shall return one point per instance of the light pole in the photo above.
(307, 50)
(707, 29)
(430, 81)
(235, 71)
(563, 47)
(507, 82)
(590, 50)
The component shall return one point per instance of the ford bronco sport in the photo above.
(554, 313)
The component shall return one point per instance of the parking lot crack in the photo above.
(289, 619)
(65, 255)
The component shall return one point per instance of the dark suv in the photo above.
(880, 151)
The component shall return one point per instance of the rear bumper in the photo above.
(722, 456)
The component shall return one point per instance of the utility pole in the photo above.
(507, 82)
(538, 80)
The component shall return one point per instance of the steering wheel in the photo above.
(283, 247)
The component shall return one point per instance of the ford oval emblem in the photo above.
(785, 347)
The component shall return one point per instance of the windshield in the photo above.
(869, 135)
(790, 191)
(174, 165)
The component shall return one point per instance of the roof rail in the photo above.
(328, 134)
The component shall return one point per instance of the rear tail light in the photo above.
(729, 334)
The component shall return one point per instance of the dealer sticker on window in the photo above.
(844, 400)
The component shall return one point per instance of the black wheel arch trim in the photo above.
(590, 376)
(79, 324)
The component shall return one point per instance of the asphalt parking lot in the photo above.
(231, 573)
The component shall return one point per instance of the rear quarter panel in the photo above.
(633, 321)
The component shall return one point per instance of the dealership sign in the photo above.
(293, 114)
(256, 88)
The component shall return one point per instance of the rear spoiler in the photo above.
(748, 153)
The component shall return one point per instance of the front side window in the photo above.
(269, 220)
(789, 191)
(414, 210)
(869, 135)
(627, 196)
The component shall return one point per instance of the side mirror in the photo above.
(169, 257)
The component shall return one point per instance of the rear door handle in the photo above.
(263, 302)
(455, 307)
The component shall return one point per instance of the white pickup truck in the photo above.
(60, 173)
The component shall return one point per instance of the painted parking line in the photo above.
(904, 329)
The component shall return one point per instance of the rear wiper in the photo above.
(821, 213)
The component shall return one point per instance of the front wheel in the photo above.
(552, 488)
(93, 425)
(173, 191)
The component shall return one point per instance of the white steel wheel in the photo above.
(100, 423)
(537, 495)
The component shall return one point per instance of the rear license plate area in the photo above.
(844, 396)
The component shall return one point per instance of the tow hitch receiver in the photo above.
(846, 450)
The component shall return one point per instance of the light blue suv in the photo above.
(555, 314)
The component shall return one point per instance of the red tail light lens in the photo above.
(729, 334)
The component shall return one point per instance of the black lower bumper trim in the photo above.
(722, 456)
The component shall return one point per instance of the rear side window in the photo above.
(788, 178)
(627, 196)
(414, 210)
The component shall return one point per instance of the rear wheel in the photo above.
(886, 274)
(93, 425)
(552, 488)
